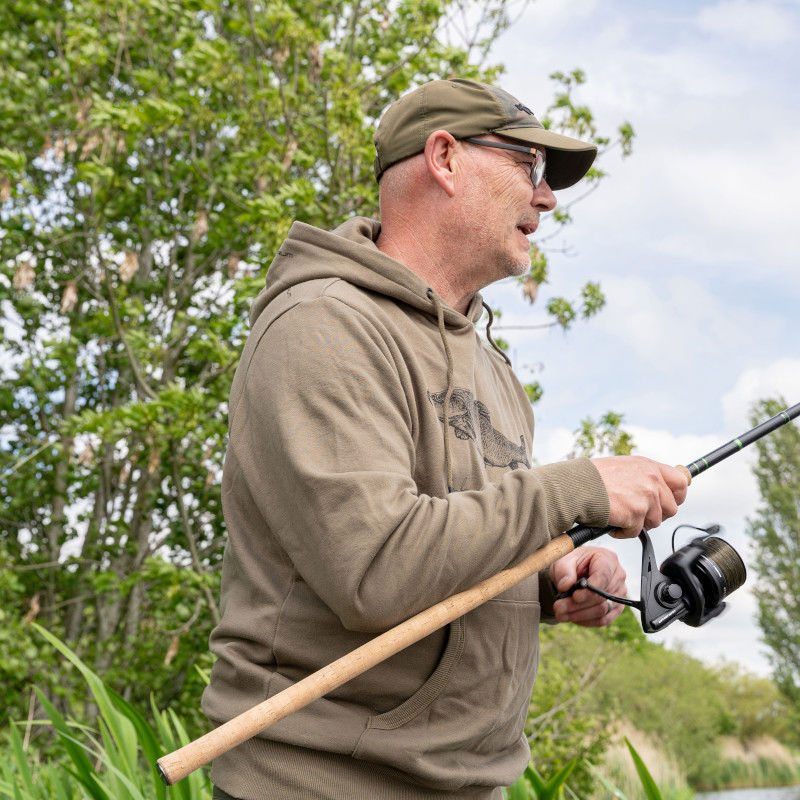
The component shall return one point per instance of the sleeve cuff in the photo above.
(575, 493)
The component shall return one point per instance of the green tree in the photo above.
(756, 705)
(775, 529)
(567, 115)
(565, 719)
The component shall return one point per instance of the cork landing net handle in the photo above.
(178, 764)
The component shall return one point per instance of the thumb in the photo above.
(563, 574)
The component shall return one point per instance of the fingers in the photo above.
(594, 613)
(678, 480)
(596, 617)
(564, 572)
(602, 569)
(626, 533)
(642, 493)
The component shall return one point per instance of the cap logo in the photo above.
(523, 108)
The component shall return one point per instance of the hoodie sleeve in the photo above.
(322, 436)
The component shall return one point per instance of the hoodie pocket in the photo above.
(427, 693)
(464, 725)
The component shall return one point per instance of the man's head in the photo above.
(463, 184)
(467, 109)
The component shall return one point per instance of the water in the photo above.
(784, 793)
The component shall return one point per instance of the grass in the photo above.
(113, 761)
(738, 774)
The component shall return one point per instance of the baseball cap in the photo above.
(468, 108)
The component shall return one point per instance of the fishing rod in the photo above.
(690, 585)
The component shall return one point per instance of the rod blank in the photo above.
(581, 534)
(741, 441)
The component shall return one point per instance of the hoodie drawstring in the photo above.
(437, 304)
(489, 334)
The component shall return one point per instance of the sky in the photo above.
(694, 240)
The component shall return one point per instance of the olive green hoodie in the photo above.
(347, 513)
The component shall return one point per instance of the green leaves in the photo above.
(114, 762)
(531, 785)
(648, 784)
(565, 115)
(124, 127)
(562, 310)
(534, 391)
(605, 436)
(12, 161)
(154, 155)
(593, 299)
(775, 529)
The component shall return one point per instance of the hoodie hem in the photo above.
(265, 768)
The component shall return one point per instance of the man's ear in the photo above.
(440, 149)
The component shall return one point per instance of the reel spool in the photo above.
(691, 585)
(706, 570)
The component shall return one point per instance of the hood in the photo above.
(349, 252)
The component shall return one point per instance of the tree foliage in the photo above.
(603, 437)
(568, 116)
(775, 529)
(565, 719)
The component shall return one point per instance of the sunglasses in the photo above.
(536, 168)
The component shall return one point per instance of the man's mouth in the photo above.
(527, 229)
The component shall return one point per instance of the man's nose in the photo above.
(543, 198)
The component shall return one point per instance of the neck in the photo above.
(417, 247)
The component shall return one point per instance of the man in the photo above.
(380, 461)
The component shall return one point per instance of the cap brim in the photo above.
(568, 159)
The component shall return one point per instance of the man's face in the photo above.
(501, 209)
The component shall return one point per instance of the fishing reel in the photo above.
(691, 585)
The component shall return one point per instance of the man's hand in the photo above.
(602, 569)
(643, 493)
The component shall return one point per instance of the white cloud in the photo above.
(554, 16)
(749, 22)
(714, 170)
(781, 378)
(664, 320)
(735, 202)
(552, 445)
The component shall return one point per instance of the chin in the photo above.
(520, 266)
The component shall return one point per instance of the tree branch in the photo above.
(137, 373)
